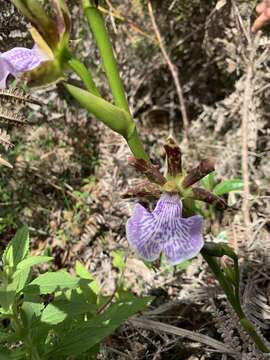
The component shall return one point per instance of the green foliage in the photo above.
(118, 260)
(222, 188)
(227, 186)
(55, 315)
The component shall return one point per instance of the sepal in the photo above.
(49, 72)
(143, 189)
(194, 175)
(174, 157)
(149, 170)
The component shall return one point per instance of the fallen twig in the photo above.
(173, 69)
(157, 326)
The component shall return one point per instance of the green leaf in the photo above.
(227, 186)
(52, 281)
(92, 353)
(96, 329)
(118, 260)
(17, 249)
(33, 260)
(184, 265)
(3, 335)
(115, 118)
(59, 310)
(5, 354)
(30, 311)
(19, 279)
(208, 182)
(7, 297)
(81, 70)
(84, 274)
(33, 304)
(15, 354)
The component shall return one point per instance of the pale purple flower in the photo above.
(19, 60)
(165, 230)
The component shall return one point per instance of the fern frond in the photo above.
(12, 117)
(256, 306)
(5, 139)
(5, 163)
(17, 96)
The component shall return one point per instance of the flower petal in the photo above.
(140, 229)
(165, 230)
(23, 59)
(5, 70)
(185, 240)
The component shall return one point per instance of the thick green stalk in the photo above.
(115, 118)
(80, 69)
(96, 24)
(136, 147)
(248, 326)
(226, 286)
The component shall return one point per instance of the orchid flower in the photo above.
(18, 61)
(165, 230)
(45, 62)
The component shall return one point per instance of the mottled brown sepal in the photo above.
(174, 157)
(208, 197)
(204, 168)
(143, 189)
(148, 169)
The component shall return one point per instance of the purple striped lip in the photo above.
(165, 230)
(19, 60)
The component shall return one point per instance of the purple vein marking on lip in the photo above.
(19, 60)
(165, 230)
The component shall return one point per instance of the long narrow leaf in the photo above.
(227, 186)
(112, 116)
(80, 340)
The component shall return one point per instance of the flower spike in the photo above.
(164, 230)
(45, 63)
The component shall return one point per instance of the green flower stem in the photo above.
(226, 286)
(115, 118)
(136, 147)
(96, 24)
(248, 326)
(234, 300)
(80, 69)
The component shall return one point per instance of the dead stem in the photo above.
(245, 158)
(173, 69)
(144, 323)
(117, 15)
(247, 101)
